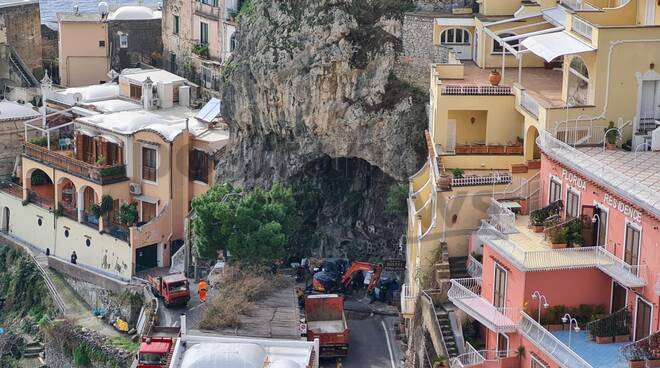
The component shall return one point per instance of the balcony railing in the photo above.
(502, 218)
(627, 275)
(95, 173)
(581, 134)
(207, 10)
(530, 104)
(582, 28)
(470, 358)
(41, 201)
(550, 344)
(407, 300)
(577, 5)
(471, 180)
(474, 267)
(469, 90)
(465, 294)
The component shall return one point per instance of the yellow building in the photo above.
(569, 69)
(135, 142)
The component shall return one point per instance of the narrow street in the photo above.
(369, 344)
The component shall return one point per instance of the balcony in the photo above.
(466, 295)
(407, 300)
(550, 344)
(61, 160)
(207, 10)
(490, 179)
(510, 236)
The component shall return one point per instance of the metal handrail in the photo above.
(500, 318)
(437, 323)
(474, 267)
(550, 344)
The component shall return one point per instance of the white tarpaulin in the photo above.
(552, 45)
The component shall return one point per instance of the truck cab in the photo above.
(174, 289)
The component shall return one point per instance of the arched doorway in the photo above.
(41, 190)
(532, 151)
(89, 199)
(67, 198)
(5, 219)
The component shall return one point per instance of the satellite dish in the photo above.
(103, 8)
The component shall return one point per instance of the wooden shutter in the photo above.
(588, 228)
(80, 145)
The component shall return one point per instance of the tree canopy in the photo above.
(255, 226)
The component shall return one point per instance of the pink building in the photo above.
(596, 259)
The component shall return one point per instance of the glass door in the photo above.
(499, 287)
(643, 319)
(619, 294)
(631, 250)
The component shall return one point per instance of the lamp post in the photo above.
(594, 219)
(537, 295)
(568, 319)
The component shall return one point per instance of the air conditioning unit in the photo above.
(135, 188)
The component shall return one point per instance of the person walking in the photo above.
(202, 288)
(74, 257)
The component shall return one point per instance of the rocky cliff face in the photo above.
(313, 80)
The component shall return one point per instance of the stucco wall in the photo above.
(144, 38)
(22, 25)
(82, 60)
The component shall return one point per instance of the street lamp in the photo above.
(537, 295)
(568, 319)
(594, 219)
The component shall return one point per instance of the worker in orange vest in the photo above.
(202, 288)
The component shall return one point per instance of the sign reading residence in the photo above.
(574, 180)
(623, 207)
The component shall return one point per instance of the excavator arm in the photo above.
(362, 266)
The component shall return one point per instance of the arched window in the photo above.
(498, 49)
(455, 36)
(578, 81)
(232, 42)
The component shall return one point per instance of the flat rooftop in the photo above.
(543, 84)
(641, 167)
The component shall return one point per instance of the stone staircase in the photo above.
(33, 355)
(458, 267)
(447, 334)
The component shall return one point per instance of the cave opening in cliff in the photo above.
(345, 207)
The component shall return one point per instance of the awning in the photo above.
(552, 45)
(455, 22)
(86, 132)
(111, 139)
(146, 198)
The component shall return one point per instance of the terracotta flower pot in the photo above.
(621, 338)
(653, 363)
(611, 146)
(558, 246)
(604, 339)
(495, 78)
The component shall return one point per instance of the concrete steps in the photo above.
(447, 333)
(33, 350)
(458, 267)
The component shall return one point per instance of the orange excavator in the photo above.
(327, 281)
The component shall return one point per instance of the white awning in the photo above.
(552, 45)
(111, 139)
(455, 22)
(146, 198)
(87, 132)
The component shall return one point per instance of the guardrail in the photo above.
(407, 300)
(470, 90)
(618, 269)
(57, 298)
(530, 104)
(581, 134)
(471, 357)
(502, 218)
(474, 267)
(436, 326)
(550, 344)
(503, 178)
(96, 173)
(582, 28)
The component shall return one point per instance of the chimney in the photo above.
(148, 94)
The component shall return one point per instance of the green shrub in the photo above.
(458, 173)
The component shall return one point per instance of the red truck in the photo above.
(324, 315)
(174, 288)
(156, 350)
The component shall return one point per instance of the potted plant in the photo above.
(458, 173)
(128, 214)
(637, 357)
(604, 339)
(444, 181)
(439, 361)
(536, 220)
(553, 318)
(611, 136)
(574, 233)
(495, 77)
(559, 237)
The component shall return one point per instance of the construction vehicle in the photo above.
(330, 282)
(325, 320)
(156, 349)
(174, 288)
